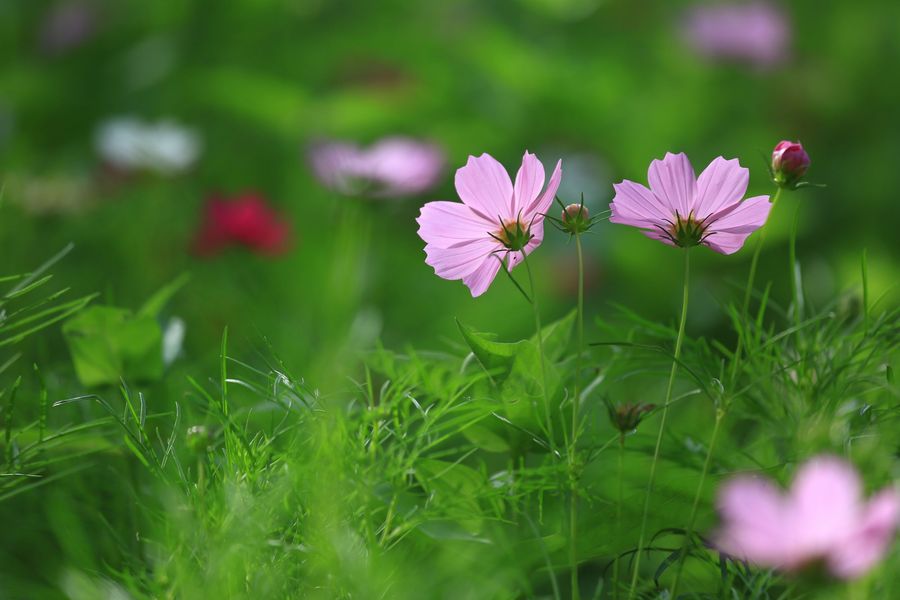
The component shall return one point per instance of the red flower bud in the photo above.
(789, 163)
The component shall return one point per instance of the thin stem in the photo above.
(720, 416)
(662, 422)
(540, 341)
(619, 514)
(796, 291)
(748, 291)
(576, 404)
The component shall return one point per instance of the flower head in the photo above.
(495, 221)
(752, 32)
(246, 221)
(680, 209)
(391, 168)
(789, 163)
(823, 518)
(627, 416)
(130, 144)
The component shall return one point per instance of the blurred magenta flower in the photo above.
(67, 25)
(247, 221)
(753, 32)
(822, 518)
(682, 210)
(789, 163)
(165, 147)
(496, 220)
(392, 167)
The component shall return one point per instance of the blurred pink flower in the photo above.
(680, 209)
(248, 221)
(67, 25)
(822, 518)
(495, 220)
(392, 167)
(754, 32)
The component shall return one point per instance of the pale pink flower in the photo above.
(392, 167)
(495, 221)
(753, 32)
(680, 209)
(822, 518)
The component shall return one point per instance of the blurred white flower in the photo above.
(164, 147)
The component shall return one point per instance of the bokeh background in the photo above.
(605, 85)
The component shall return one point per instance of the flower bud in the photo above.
(575, 218)
(789, 163)
(627, 416)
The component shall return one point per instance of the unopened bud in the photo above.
(575, 218)
(626, 417)
(789, 163)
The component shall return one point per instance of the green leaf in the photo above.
(155, 303)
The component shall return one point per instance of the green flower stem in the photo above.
(662, 423)
(720, 416)
(619, 514)
(576, 404)
(540, 341)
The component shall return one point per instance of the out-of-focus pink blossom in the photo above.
(823, 517)
(496, 220)
(247, 221)
(67, 25)
(753, 32)
(391, 168)
(680, 209)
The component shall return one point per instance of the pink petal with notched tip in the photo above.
(484, 186)
(746, 217)
(636, 203)
(721, 184)
(529, 183)
(444, 224)
(542, 203)
(459, 261)
(673, 181)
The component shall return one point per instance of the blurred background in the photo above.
(259, 165)
(119, 121)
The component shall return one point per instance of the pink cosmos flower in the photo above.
(392, 167)
(822, 518)
(496, 220)
(754, 32)
(248, 221)
(680, 209)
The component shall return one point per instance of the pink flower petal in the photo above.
(722, 183)
(746, 217)
(484, 186)
(529, 182)
(868, 544)
(481, 278)
(656, 234)
(459, 261)
(542, 203)
(725, 243)
(445, 224)
(753, 514)
(636, 205)
(673, 182)
(823, 505)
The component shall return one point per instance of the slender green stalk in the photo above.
(795, 276)
(748, 291)
(540, 340)
(619, 514)
(576, 404)
(662, 422)
(720, 415)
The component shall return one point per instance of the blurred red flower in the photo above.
(246, 220)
